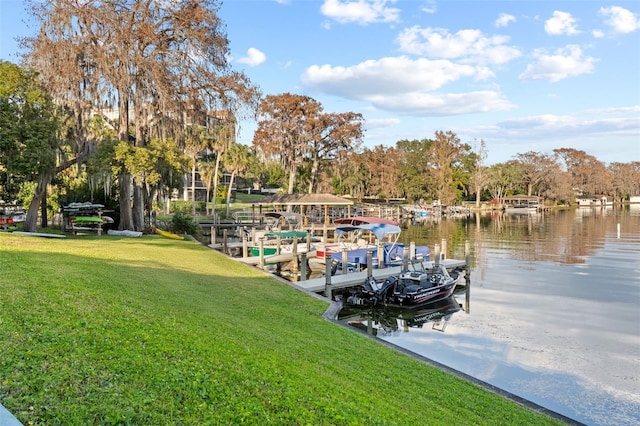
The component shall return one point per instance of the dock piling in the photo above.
(345, 258)
(303, 267)
(443, 249)
(245, 245)
(261, 248)
(327, 279)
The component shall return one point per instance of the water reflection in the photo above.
(389, 322)
(556, 309)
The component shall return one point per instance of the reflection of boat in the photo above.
(387, 320)
(411, 288)
(351, 234)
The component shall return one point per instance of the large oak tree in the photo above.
(159, 64)
(294, 129)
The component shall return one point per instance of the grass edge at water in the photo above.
(110, 330)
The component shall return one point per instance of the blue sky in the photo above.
(520, 75)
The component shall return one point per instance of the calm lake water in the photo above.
(552, 314)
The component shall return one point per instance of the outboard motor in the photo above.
(334, 267)
(388, 288)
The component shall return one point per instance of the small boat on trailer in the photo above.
(410, 288)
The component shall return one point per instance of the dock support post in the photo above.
(327, 279)
(245, 245)
(405, 259)
(261, 248)
(467, 277)
(213, 234)
(467, 261)
(309, 240)
(443, 250)
(369, 263)
(381, 263)
(294, 252)
(412, 249)
(303, 267)
(345, 258)
(436, 254)
(225, 241)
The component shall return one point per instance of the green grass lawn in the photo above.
(153, 331)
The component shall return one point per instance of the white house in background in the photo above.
(634, 199)
(594, 201)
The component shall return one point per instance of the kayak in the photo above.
(168, 234)
(38, 234)
(87, 219)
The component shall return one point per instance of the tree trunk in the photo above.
(126, 214)
(31, 220)
(314, 172)
(138, 206)
(215, 181)
(292, 179)
(193, 187)
(230, 190)
(43, 211)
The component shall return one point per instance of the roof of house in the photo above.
(306, 199)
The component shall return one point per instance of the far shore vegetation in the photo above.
(114, 331)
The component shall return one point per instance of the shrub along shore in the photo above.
(116, 330)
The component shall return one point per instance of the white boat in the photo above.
(360, 234)
(278, 242)
(530, 207)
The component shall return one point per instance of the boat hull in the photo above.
(407, 290)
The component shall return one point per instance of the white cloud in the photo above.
(620, 19)
(467, 45)
(381, 123)
(389, 76)
(597, 33)
(403, 85)
(430, 6)
(565, 62)
(568, 125)
(254, 57)
(360, 11)
(634, 109)
(561, 23)
(442, 104)
(504, 20)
